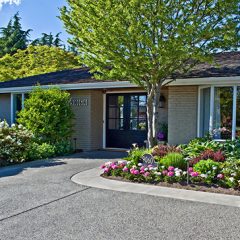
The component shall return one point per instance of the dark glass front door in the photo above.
(126, 120)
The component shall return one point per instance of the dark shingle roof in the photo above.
(227, 65)
(79, 75)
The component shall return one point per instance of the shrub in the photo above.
(48, 114)
(14, 142)
(207, 166)
(63, 147)
(163, 150)
(174, 159)
(41, 151)
(217, 156)
(136, 154)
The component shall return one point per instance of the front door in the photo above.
(126, 120)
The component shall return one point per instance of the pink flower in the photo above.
(146, 174)
(102, 166)
(171, 168)
(132, 170)
(170, 174)
(136, 172)
(106, 170)
(142, 168)
(220, 176)
(165, 172)
(114, 166)
(150, 166)
(194, 174)
(125, 169)
(190, 170)
(142, 171)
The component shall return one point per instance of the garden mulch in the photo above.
(184, 185)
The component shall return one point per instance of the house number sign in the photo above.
(77, 102)
(148, 159)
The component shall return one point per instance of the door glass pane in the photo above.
(238, 113)
(222, 119)
(204, 111)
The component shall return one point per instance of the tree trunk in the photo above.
(153, 113)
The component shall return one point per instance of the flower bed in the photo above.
(212, 165)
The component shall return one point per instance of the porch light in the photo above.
(162, 101)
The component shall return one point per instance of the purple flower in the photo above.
(142, 171)
(106, 170)
(194, 174)
(160, 136)
(132, 170)
(125, 169)
(165, 172)
(220, 176)
(171, 168)
(170, 174)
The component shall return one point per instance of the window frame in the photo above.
(212, 105)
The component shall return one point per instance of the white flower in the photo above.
(155, 168)
(184, 173)
(177, 174)
(151, 168)
(214, 167)
(8, 137)
(140, 164)
(163, 167)
(20, 126)
(234, 174)
(145, 169)
(231, 179)
(13, 125)
(209, 172)
(158, 173)
(204, 175)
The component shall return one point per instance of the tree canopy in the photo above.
(36, 60)
(48, 40)
(149, 41)
(13, 37)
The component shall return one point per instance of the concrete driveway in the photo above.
(39, 201)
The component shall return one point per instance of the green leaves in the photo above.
(48, 114)
(148, 41)
(36, 60)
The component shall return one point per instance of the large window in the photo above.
(17, 105)
(223, 112)
(220, 112)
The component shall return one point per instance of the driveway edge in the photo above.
(93, 179)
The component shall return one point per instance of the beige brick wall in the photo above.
(182, 114)
(87, 123)
(5, 107)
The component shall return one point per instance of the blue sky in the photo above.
(38, 15)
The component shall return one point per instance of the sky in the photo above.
(38, 15)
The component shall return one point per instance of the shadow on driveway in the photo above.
(91, 155)
(16, 169)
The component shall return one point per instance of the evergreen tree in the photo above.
(13, 37)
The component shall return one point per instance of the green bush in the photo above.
(14, 142)
(136, 154)
(174, 159)
(48, 114)
(41, 151)
(63, 148)
(207, 167)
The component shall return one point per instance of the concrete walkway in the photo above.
(92, 178)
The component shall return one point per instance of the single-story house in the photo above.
(112, 114)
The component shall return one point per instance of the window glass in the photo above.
(205, 111)
(222, 118)
(17, 105)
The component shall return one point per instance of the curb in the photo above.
(93, 179)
